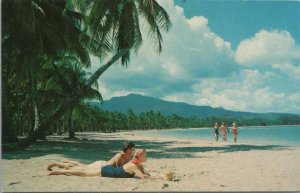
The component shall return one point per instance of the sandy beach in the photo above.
(198, 165)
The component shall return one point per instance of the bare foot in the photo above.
(54, 173)
(50, 166)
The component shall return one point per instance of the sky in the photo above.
(239, 55)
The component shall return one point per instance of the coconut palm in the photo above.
(68, 78)
(109, 24)
(33, 30)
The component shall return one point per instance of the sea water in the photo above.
(268, 135)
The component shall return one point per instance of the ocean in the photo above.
(267, 135)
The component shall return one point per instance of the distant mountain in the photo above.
(139, 103)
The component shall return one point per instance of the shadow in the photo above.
(84, 150)
(188, 152)
(88, 149)
(171, 155)
(228, 148)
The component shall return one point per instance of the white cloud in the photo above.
(106, 91)
(198, 67)
(267, 48)
(190, 51)
(246, 91)
(198, 23)
(290, 70)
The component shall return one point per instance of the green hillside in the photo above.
(140, 103)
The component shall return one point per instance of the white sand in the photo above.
(199, 166)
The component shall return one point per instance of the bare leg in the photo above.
(60, 165)
(82, 172)
(97, 164)
(75, 163)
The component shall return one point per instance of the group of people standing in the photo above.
(225, 130)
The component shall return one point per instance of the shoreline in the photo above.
(242, 139)
(199, 165)
(242, 127)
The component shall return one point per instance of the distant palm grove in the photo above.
(96, 120)
(46, 49)
(87, 118)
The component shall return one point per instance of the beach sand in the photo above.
(198, 165)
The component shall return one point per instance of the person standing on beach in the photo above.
(234, 131)
(118, 160)
(224, 131)
(216, 131)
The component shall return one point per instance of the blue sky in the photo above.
(239, 55)
(238, 20)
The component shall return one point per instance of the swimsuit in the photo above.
(224, 130)
(234, 131)
(216, 131)
(115, 172)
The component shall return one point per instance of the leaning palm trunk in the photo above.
(45, 124)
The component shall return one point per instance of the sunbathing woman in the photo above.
(118, 160)
(128, 170)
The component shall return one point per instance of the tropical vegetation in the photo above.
(46, 48)
(113, 121)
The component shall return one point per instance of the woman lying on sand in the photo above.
(128, 170)
(118, 160)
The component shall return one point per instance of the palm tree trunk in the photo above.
(35, 111)
(8, 132)
(45, 124)
(103, 68)
(71, 125)
(33, 91)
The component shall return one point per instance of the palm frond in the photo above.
(157, 19)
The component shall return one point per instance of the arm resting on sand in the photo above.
(143, 170)
(140, 174)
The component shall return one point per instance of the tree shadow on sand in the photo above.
(87, 149)
(83, 150)
(228, 148)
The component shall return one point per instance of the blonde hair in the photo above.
(140, 153)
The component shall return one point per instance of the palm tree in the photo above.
(117, 23)
(39, 34)
(68, 78)
(110, 24)
(131, 121)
